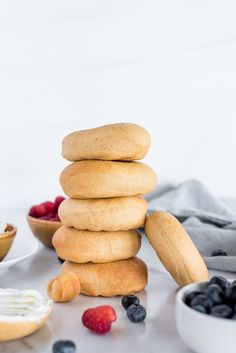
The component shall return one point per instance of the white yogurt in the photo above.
(22, 305)
(3, 227)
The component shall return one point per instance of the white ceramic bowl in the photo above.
(203, 333)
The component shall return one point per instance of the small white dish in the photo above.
(203, 333)
(23, 247)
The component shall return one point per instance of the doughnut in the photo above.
(84, 246)
(110, 279)
(175, 248)
(111, 214)
(102, 179)
(122, 141)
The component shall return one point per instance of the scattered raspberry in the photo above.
(99, 319)
(57, 202)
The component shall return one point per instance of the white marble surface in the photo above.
(157, 334)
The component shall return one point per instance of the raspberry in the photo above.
(99, 319)
(45, 218)
(38, 211)
(57, 202)
(49, 206)
(55, 219)
(51, 215)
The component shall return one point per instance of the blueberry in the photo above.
(128, 300)
(221, 281)
(215, 293)
(222, 310)
(190, 297)
(200, 308)
(219, 252)
(64, 347)
(203, 300)
(60, 260)
(136, 313)
(230, 294)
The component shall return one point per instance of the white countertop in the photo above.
(157, 334)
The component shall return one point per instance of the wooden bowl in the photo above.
(6, 240)
(43, 230)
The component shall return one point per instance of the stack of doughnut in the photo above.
(99, 238)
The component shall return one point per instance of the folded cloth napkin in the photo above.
(210, 221)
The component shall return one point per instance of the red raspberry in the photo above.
(57, 202)
(49, 206)
(51, 215)
(99, 319)
(46, 218)
(38, 211)
(55, 219)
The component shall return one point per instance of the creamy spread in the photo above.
(22, 305)
(3, 227)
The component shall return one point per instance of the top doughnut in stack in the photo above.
(105, 207)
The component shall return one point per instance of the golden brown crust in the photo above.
(122, 141)
(175, 248)
(64, 287)
(111, 214)
(110, 279)
(13, 330)
(103, 179)
(84, 246)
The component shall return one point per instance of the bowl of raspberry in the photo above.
(43, 220)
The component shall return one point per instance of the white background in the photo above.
(66, 65)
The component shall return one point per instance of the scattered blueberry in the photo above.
(190, 297)
(222, 310)
(61, 260)
(200, 308)
(203, 300)
(230, 294)
(215, 293)
(221, 281)
(219, 252)
(65, 346)
(136, 313)
(128, 300)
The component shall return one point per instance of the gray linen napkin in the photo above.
(210, 221)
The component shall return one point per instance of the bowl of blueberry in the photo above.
(44, 220)
(206, 315)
